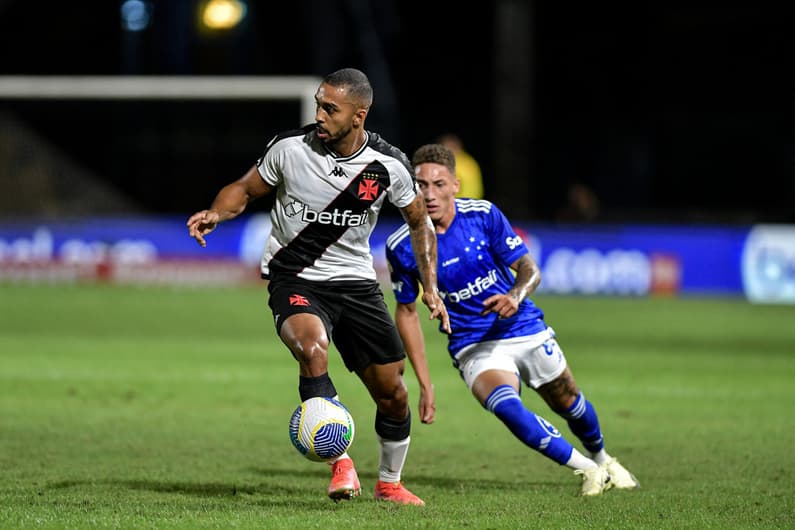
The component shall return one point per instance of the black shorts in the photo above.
(353, 312)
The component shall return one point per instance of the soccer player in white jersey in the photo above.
(498, 337)
(331, 179)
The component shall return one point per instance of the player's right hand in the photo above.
(202, 223)
(436, 306)
(427, 406)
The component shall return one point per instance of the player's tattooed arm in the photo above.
(423, 242)
(528, 276)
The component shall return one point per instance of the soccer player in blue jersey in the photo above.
(498, 338)
(331, 179)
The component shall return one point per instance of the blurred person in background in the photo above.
(582, 204)
(331, 180)
(467, 168)
(499, 338)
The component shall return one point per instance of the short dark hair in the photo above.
(355, 81)
(434, 154)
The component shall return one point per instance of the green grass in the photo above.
(159, 408)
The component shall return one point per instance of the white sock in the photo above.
(343, 456)
(580, 461)
(601, 457)
(393, 456)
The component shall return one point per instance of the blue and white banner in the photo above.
(627, 260)
(768, 264)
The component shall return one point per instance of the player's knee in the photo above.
(310, 351)
(306, 339)
(393, 400)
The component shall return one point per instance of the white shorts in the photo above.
(537, 359)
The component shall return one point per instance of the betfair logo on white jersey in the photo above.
(474, 288)
(335, 217)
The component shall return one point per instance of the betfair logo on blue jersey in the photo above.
(473, 288)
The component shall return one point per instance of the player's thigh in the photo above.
(300, 318)
(483, 368)
(561, 392)
(365, 333)
(538, 364)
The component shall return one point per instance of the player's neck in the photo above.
(351, 143)
(443, 224)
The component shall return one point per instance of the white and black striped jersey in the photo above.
(327, 206)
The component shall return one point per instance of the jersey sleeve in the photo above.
(507, 244)
(269, 164)
(402, 189)
(403, 273)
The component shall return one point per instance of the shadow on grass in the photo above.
(278, 485)
(199, 489)
(443, 483)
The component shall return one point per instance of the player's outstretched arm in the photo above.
(408, 323)
(423, 242)
(230, 202)
(528, 276)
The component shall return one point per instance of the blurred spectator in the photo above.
(467, 168)
(582, 204)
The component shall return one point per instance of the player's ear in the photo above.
(359, 117)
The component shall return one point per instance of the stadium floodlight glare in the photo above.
(300, 88)
(135, 15)
(222, 14)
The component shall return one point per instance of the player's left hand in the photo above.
(436, 306)
(505, 305)
(427, 406)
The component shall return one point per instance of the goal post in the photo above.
(301, 88)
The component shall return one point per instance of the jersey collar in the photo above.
(354, 154)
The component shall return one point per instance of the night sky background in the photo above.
(670, 113)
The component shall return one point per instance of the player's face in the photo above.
(335, 114)
(438, 187)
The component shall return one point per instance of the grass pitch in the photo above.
(158, 408)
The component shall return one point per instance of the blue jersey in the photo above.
(474, 258)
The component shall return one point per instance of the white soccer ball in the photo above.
(321, 429)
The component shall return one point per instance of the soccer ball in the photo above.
(321, 429)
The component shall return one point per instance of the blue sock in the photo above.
(584, 423)
(533, 430)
